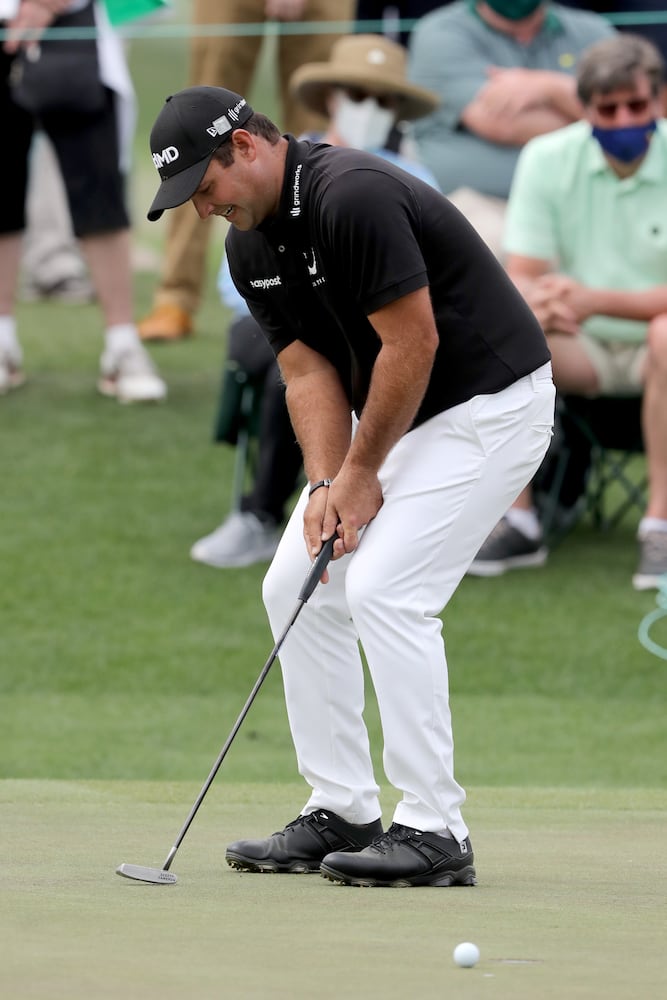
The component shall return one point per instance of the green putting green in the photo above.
(570, 901)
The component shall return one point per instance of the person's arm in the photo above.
(320, 414)
(321, 417)
(402, 368)
(515, 105)
(33, 17)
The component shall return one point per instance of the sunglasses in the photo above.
(636, 105)
(358, 95)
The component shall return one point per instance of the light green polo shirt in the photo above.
(567, 206)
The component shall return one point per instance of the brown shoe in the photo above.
(166, 322)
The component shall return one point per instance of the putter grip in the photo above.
(318, 567)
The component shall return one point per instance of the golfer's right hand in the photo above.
(313, 521)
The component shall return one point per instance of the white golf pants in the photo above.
(445, 486)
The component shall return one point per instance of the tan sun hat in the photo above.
(372, 63)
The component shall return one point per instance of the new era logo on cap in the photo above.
(186, 133)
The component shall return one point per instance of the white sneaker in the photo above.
(130, 376)
(11, 368)
(241, 540)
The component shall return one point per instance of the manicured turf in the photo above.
(570, 901)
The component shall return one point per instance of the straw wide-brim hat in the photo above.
(372, 63)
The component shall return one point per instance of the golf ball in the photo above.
(466, 954)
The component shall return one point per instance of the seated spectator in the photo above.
(364, 92)
(504, 70)
(587, 245)
(92, 147)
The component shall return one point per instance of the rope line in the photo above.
(645, 625)
(157, 29)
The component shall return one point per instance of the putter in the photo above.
(163, 876)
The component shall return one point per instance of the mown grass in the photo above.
(119, 657)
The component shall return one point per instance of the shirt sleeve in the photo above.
(370, 221)
(530, 222)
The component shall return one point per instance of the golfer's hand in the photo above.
(354, 499)
(313, 525)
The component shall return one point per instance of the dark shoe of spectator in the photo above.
(507, 548)
(652, 561)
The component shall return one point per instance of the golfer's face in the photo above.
(230, 192)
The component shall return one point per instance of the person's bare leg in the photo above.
(108, 257)
(127, 372)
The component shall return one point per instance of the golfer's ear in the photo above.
(244, 144)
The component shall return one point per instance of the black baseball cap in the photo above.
(186, 133)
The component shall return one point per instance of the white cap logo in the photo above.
(220, 126)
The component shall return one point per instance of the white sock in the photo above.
(121, 337)
(525, 521)
(8, 338)
(650, 524)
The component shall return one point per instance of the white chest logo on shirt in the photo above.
(311, 261)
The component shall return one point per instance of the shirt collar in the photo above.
(291, 204)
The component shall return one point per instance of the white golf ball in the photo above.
(466, 954)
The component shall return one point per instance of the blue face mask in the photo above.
(625, 144)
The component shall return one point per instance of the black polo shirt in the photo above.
(354, 233)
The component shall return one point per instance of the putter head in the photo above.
(158, 876)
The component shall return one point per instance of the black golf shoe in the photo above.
(403, 856)
(303, 843)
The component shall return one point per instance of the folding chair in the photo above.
(240, 404)
(592, 468)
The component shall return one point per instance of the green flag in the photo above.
(120, 11)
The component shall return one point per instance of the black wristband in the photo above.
(316, 486)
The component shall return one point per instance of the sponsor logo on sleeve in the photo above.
(265, 283)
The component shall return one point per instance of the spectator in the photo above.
(587, 245)
(52, 266)
(392, 16)
(232, 60)
(503, 69)
(362, 89)
(91, 147)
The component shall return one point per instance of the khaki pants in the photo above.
(485, 213)
(230, 61)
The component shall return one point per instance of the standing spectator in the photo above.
(392, 16)
(232, 60)
(362, 90)
(92, 150)
(52, 266)
(504, 70)
(587, 245)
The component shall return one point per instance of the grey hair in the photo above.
(614, 63)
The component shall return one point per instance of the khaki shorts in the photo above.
(619, 367)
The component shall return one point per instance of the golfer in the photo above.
(419, 387)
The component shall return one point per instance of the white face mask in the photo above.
(361, 124)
